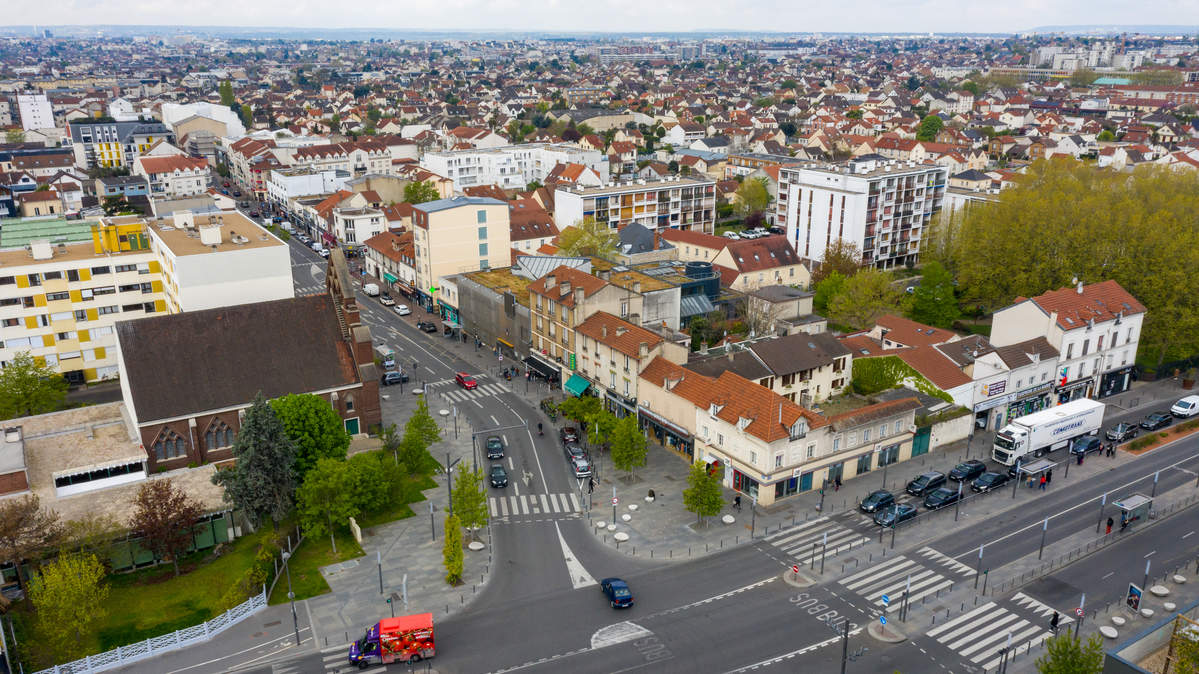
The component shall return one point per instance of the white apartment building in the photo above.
(36, 112)
(289, 183)
(512, 166)
(881, 206)
(353, 226)
(174, 175)
(671, 203)
(1095, 328)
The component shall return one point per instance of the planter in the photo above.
(1188, 383)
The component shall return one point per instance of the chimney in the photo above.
(637, 287)
(642, 350)
(1080, 287)
(565, 287)
(549, 281)
(728, 352)
(580, 295)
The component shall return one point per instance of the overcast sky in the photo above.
(616, 15)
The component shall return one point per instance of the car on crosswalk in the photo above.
(940, 498)
(499, 476)
(466, 381)
(876, 501)
(988, 481)
(895, 514)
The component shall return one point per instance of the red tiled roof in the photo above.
(695, 238)
(1098, 301)
(617, 333)
(564, 274)
(910, 333)
(152, 165)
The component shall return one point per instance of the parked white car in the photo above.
(1187, 407)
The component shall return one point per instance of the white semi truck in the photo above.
(1045, 431)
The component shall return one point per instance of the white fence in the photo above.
(183, 638)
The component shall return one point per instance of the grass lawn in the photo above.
(306, 563)
(736, 226)
(154, 601)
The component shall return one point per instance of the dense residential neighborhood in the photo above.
(777, 301)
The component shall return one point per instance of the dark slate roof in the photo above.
(635, 238)
(1019, 354)
(743, 363)
(799, 352)
(186, 363)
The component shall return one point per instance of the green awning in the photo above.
(576, 385)
(389, 278)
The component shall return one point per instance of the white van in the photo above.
(1187, 407)
(371, 289)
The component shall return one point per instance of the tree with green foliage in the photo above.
(600, 426)
(913, 83)
(752, 196)
(841, 256)
(1083, 77)
(419, 193)
(451, 550)
(1105, 136)
(225, 89)
(469, 499)
(315, 428)
(29, 387)
(247, 115)
(1068, 220)
(970, 86)
(262, 480)
(533, 186)
(69, 595)
(628, 445)
(14, 136)
(1065, 654)
(828, 287)
(326, 500)
(390, 439)
(164, 516)
(703, 495)
(929, 127)
(588, 237)
(865, 297)
(422, 426)
(933, 301)
(25, 529)
(1186, 648)
(580, 408)
(370, 487)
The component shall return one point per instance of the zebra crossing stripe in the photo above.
(860, 578)
(972, 643)
(545, 507)
(792, 542)
(554, 503)
(515, 508)
(494, 510)
(795, 529)
(948, 561)
(574, 500)
(534, 504)
(1019, 649)
(945, 582)
(1016, 639)
(891, 583)
(836, 543)
(960, 619)
(1042, 609)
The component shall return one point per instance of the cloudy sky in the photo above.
(616, 15)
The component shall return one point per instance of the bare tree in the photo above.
(759, 315)
(26, 528)
(164, 516)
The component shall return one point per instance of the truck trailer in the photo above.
(404, 639)
(1035, 434)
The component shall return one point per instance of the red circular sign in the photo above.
(794, 568)
(1079, 612)
(614, 500)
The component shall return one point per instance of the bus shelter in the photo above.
(1133, 508)
(1030, 473)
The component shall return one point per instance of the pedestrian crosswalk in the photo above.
(891, 578)
(944, 560)
(458, 395)
(335, 661)
(806, 541)
(980, 634)
(502, 507)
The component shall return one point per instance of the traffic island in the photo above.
(887, 634)
(797, 578)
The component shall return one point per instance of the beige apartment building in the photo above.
(612, 352)
(559, 302)
(454, 236)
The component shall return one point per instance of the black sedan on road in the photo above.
(941, 498)
(499, 476)
(1156, 420)
(1122, 432)
(495, 447)
(967, 470)
(876, 501)
(895, 514)
(988, 481)
(426, 326)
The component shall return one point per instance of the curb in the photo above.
(886, 633)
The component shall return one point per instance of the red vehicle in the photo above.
(405, 639)
(466, 381)
(226, 183)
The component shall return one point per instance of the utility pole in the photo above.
(449, 483)
(845, 647)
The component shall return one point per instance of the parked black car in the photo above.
(925, 483)
(1085, 445)
(895, 514)
(1122, 432)
(988, 481)
(967, 470)
(941, 498)
(425, 326)
(876, 501)
(1156, 420)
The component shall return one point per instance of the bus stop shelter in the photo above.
(1133, 508)
(1032, 472)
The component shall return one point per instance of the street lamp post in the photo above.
(291, 596)
(449, 493)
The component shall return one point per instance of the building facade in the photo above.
(457, 235)
(512, 167)
(115, 144)
(671, 203)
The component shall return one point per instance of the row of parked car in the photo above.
(576, 457)
(933, 486)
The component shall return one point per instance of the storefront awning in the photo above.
(673, 428)
(451, 324)
(389, 278)
(544, 369)
(576, 385)
(505, 343)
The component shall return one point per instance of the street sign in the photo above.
(615, 500)
(882, 620)
(1079, 612)
(886, 600)
(794, 568)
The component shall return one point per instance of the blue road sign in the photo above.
(882, 619)
(886, 600)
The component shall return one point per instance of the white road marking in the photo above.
(579, 578)
(618, 633)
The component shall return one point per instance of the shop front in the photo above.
(1116, 381)
(667, 434)
(994, 397)
(1028, 401)
(1074, 390)
(619, 405)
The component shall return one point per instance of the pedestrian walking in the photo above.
(737, 501)
(837, 483)
(1080, 455)
(1053, 622)
(1110, 522)
(1049, 476)
(1043, 483)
